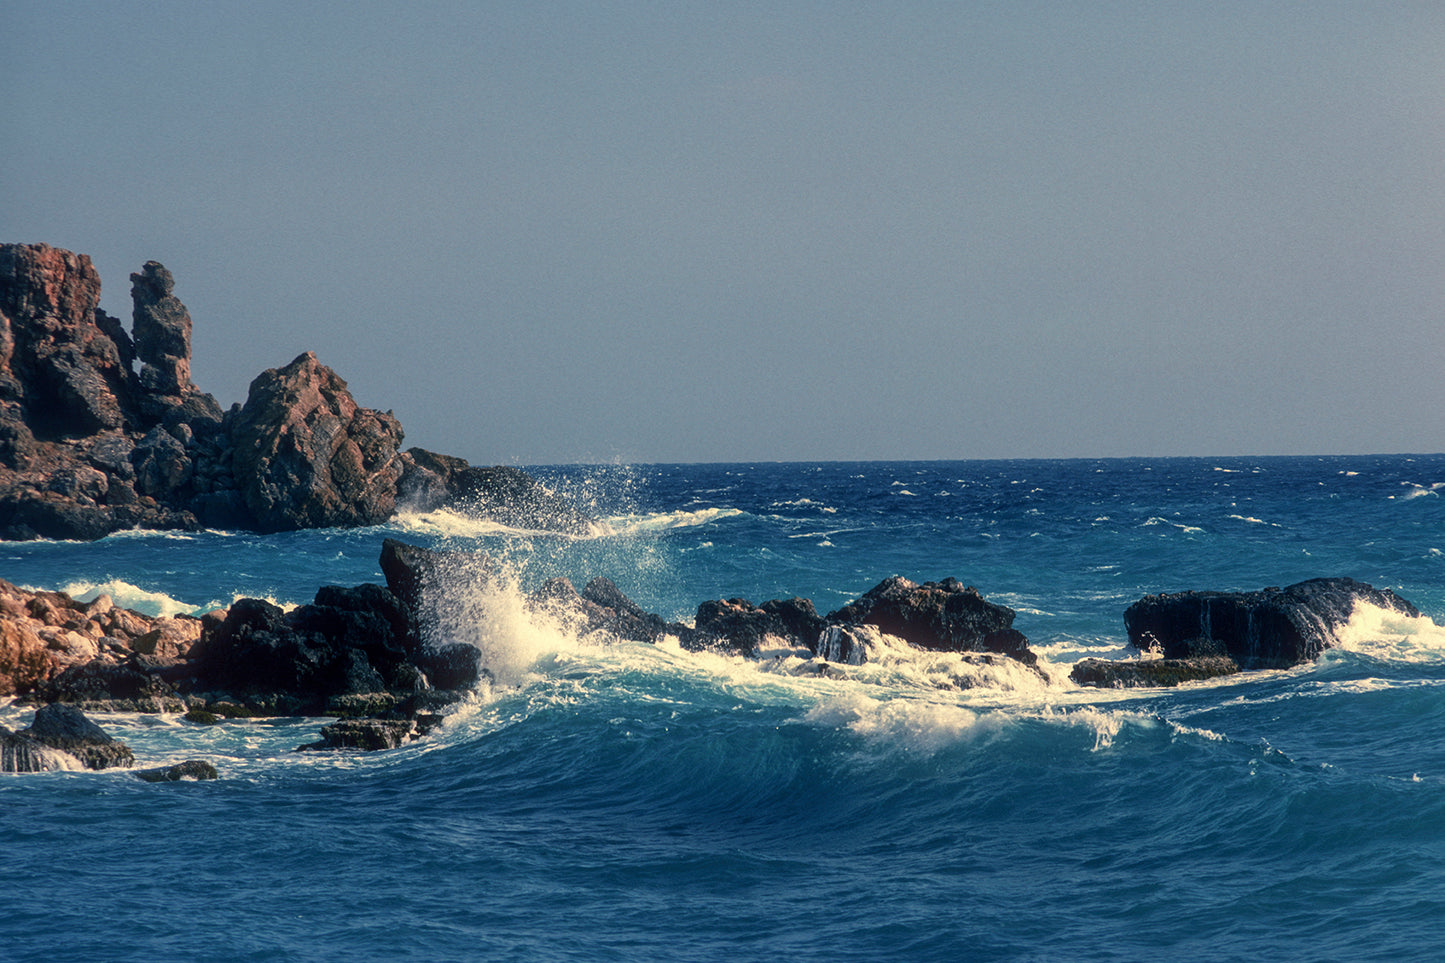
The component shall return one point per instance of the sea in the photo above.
(636, 801)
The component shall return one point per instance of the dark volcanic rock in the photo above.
(107, 686)
(66, 728)
(349, 641)
(1130, 674)
(945, 616)
(366, 734)
(307, 456)
(194, 769)
(1270, 628)
(408, 569)
(739, 626)
(20, 753)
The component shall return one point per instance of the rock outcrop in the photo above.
(945, 616)
(61, 737)
(197, 770)
(306, 455)
(1267, 629)
(90, 445)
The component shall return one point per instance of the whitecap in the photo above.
(913, 725)
(1389, 635)
(129, 596)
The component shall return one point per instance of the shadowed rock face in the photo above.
(62, 374)
(944, 616)
(1270, 628)
(307, 456)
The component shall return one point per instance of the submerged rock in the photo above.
(366, 734)
(1135, 673)
(194, 769)
(1266, 629)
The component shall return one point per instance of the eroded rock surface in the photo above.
(91, 444)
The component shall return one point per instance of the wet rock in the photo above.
(849, 644)
(619, 616)
(453, 665)
(408, 569)
(1129, 674)
(20, 753)
(193, 769)
(102, 685)
(365, 734)
(1269, 628)
(67, 729)
(737, 625)
(945, 616)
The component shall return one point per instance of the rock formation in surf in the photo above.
(1200, 635)
(91, 444)
(390, 653)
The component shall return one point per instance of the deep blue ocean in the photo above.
(638, 802)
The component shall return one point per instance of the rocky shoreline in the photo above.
(102, 429)
(379, 659)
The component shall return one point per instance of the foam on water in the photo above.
(912, 725)
(1392, 636)
(449, 524)
(666, 521)
(130, 596)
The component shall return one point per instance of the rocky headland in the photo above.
(102, 429)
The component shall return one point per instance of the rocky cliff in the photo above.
(102, 430)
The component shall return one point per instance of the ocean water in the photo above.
(637, 802)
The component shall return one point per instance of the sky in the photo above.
(546, 233)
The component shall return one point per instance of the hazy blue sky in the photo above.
(547, 232)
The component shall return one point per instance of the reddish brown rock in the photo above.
(61, 375)
(89, 446)
(307, 456)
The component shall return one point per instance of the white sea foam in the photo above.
(1252, 520)
(1156, 520)
(453, 524)
(915, 725)
(666, 521)
(1385, 634)
(130, 596)
(1417, 490)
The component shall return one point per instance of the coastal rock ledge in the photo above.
(102, 429)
